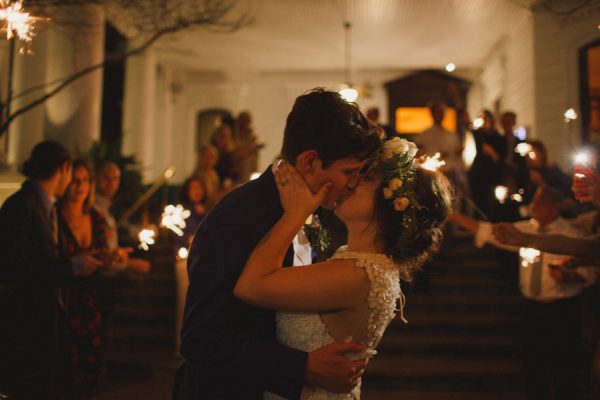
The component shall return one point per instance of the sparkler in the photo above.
(570, 115)
(528, 256)
(523, 149)
(478, 123)
(146, 238)
(582, 158)
(16, 21)
(182, 253)
(433, 163)
(501, 193)
(173, 218)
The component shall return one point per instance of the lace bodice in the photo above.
(307, 332)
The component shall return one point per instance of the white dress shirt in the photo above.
(302, 250)
(550, 290)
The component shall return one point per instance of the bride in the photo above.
(393, 220)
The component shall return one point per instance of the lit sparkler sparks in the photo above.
(570, 115)
(16, 21)
(501, 193)
(146, 238)
(528, 256)
(582, 158)
(478, 123)
(523, 149)
(173, 218)
(182, 253)
(433, 163)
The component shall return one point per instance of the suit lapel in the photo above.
(273, 207)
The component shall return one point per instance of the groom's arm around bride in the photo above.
(229, 347)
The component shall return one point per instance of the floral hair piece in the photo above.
(398, 172)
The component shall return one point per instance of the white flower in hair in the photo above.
(395, 184)
(398, 146)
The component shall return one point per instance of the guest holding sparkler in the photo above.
(85, 230)
(33, 351)
(515, 164)
(552, 313)
(487, 169)
(192, 197)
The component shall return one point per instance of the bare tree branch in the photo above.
(152, 20)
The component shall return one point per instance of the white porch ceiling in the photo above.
(308, 35)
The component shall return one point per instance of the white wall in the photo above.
(508, 76)
(557, 42)
(268, 96)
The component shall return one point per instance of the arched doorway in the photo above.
(206, 123)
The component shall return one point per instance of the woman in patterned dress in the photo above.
(84, 230)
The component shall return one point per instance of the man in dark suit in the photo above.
(228, 346)
(32, 342)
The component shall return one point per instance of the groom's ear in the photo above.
(307, 162)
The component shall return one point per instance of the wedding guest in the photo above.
(515, 164)
(192, 197)
(33, 351)
(108, 180)
(552, 312)
(437, 139)
(228, 164)
(85, 230)
(208, 157)
(544, 172)
(373, 115)
(246, 143)
(486, 171)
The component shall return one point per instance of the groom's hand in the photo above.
(330, 369)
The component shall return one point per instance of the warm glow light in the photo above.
(146, 238)
(254, 175)
(433, 163)
(16, 21)
(173, 218)
(501, 193)
(528, 256)
(169, 172)
(582, 158)
(182, 253)
(349, 94)
(523, 149)
(570, 115)
(416, 119)
(517, 197)
(478, 123)
(450, 67)
(470, 150)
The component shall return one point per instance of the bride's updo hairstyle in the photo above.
(411, 205)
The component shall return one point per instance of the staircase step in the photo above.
(452, 343)
(453, 368)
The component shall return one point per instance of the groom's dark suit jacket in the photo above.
(32, 329)
(229, 347)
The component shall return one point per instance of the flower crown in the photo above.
(398, 171)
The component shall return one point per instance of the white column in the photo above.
(138, 118)
(73, 115)
(28, 129)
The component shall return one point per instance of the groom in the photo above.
(229, 347)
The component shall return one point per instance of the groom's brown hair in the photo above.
(323, 121)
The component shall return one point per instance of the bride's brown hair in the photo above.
(410, 245)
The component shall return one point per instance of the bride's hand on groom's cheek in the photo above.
(296, 197)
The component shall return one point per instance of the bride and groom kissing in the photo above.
(255, 330)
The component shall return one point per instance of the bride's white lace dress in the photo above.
(307, 332)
